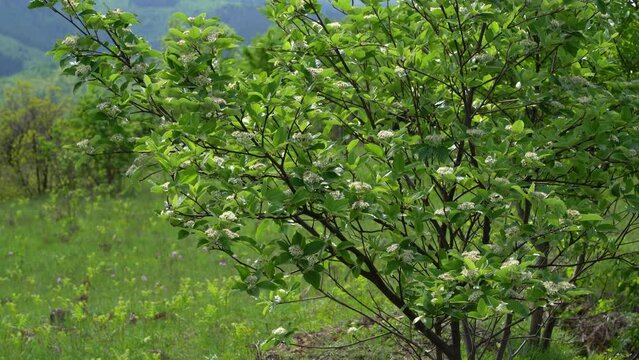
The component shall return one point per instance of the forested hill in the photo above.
(26, 34)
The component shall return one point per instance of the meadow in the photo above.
(106, 278)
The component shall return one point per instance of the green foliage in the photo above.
(28, 138)
(467, 162)
(124, 288)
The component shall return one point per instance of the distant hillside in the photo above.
(26, 33)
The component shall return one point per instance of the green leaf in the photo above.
(590, 217)
(314, 247)
(265, 230)
(518, 126)
(314, 278)
(374, 149)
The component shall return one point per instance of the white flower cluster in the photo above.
(333, 25)
(360, 205)
(490, 160)
(445, 170)
(188, 58)
(230, 234)
(228, 216)
(446, 277)
(336, 195)
(442, 212)
(540, 194)
(392, 248)
(295, 251)
(242, 137)
(342, 85)
(475, 295)
(435, 139)
(360, 187)
(512, 230)
(509, 263)
(250, 280)
(529, 158)
(407, 257)
(137, 69)
(553, 288)
(502, 308)
(82, 70)
(70, 41)
(472, 255)
(573, 213)
(475, 132)
(469, 273)
(109, 110)
(312, 178)
(302, 138)
(494, 197)
(502, 181)
(201, 81)
(257, 167)
(219, 161)
(468, 205)
(385, 134)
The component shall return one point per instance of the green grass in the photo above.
(129, 288)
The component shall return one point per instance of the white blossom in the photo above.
(82, 70)
(336, 195)
(230, 234)
(468, 273)
(446, 277)
(392, 248)
(502, 308)
(242, 137)
(257, 167)
(219, 161)
(70, 41)
(360, 205)
(509, 263)
(490, 161)
(494, 197)
(502, 181)
(468, 205)
(472, 255)
(251, 280)
(573, 213)
(475, 295)
(228, 216)
(385, 134)
(312, 178)
(435, 139)
(295, 251)
(531, 155)
(359, 186)
(475, 132)
(512, 230)
(407, 256)
(442, 212)
(445, 170)
(540, 194)
(212, 233)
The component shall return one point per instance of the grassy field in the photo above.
(106, 278)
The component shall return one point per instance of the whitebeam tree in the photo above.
(472, 161)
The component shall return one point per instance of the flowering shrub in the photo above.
(472, 162)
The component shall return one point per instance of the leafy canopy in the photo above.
(472, 161)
